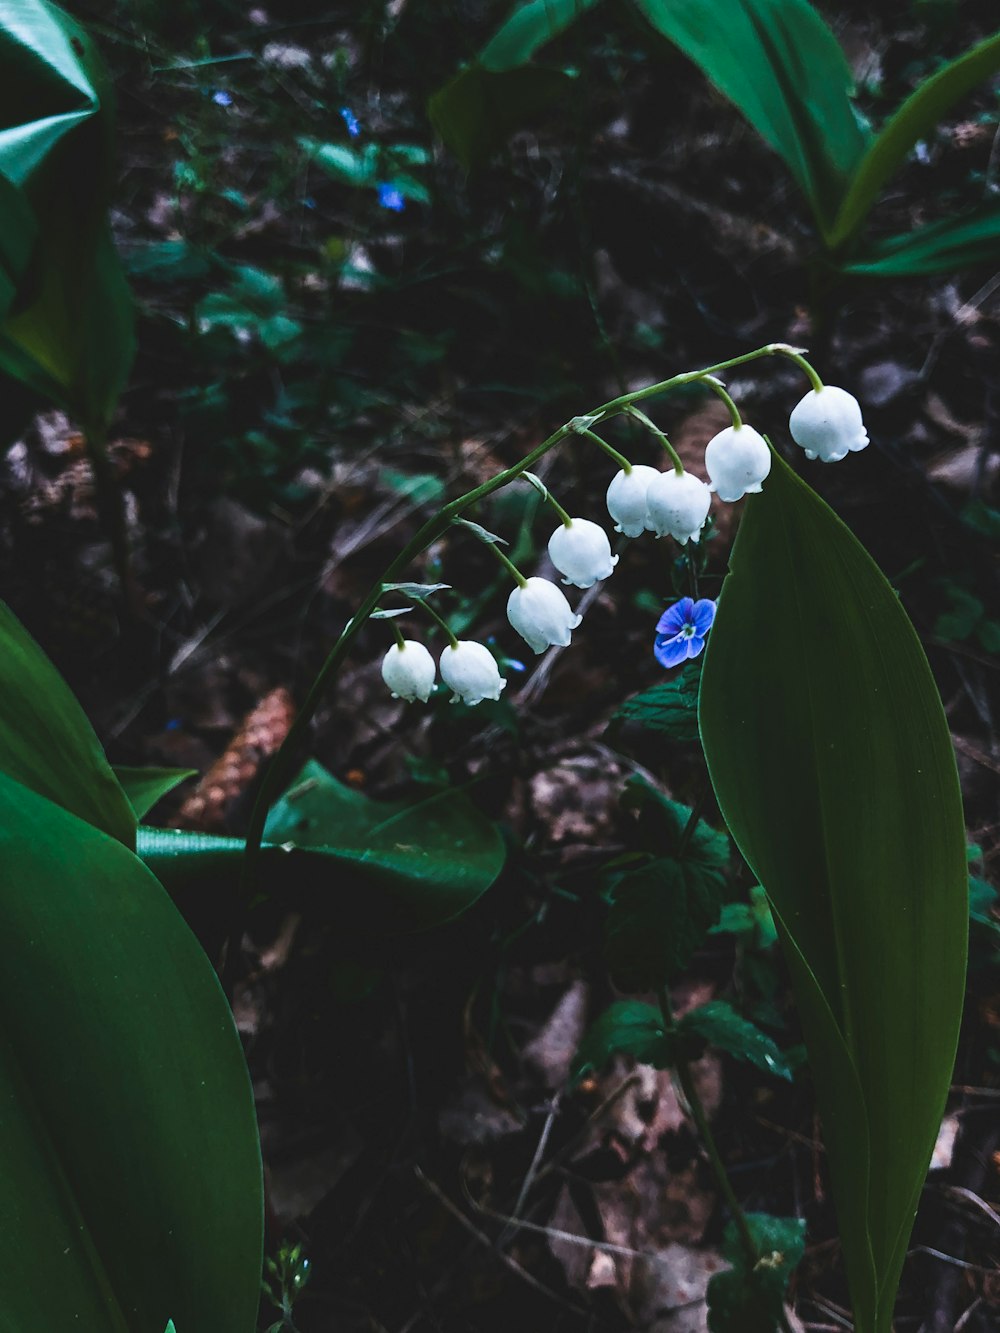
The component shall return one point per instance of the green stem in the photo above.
(509, 565)
(697, 1110)
(567, 522)
(400, 641)
(650, 425)
(803, 365)
(720, 389)
(610, 450)
(434, 616)
(281, 768)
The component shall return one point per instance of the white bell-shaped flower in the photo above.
(581, 552)
(737, 461)
(541, 614)
(471, 671)
(678, 505)
(627, 500)
(827, 424)
(408, 669)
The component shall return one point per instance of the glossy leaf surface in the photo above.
(918, 116)
(144, 787)
(128, 1144)
(833, 767)
(783, 68)
(722, 1027)
(69, 336)
(399, 866)
(940, 247)
(46, 741)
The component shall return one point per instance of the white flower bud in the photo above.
(409, 671)
(541, 614)
(678, 504)
(737, 460)
(581, 552)
(827, 424)
(471, 671)
(627, 500)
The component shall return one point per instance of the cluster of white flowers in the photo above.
(826, 423)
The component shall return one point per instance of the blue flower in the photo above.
(351, 121)
(681, 630)
(392, 198)
(221, 98)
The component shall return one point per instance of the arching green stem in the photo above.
(509, 565)
(609, 449)
(717, 387)
(434, 616)
(651, 425)
(281, 769)
(803, 365)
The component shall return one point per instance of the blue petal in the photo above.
(702, 615)
(694, 645)
(392, 198)
(675, 617)
(672, 652)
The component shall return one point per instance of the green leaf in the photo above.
(965, 614)
(399, 866)
(17, 236)
(358, 167)
(630, 1027)
(918, 115)
(69, 336)
(145, 786)
(940, 247)
(721, 1026)
(479, 109)
(46, 741)
(669, 708)
(752, 921)
(832, 763)
(529, 28)
(783, 68)
(128, 1145)
(981, 518)
(750, 1299)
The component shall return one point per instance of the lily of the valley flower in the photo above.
(678, 504)
(581, 552)
(737, 460)
(470, 670)
(541, 614)
(681, 630)
(827, 424)
(627, 499)
(408, 669)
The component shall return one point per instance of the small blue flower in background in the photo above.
(221, 98)
(391, 198)
(681, 630)
(351, 121)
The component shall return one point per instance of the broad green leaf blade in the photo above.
(128, 1145)
(831, 759)
(145, 786)
(630, 1027)
(383, 867)
(46, 741)
(529, 28)
(70, 334)
(940, 247)
(721, 1026)
(783, 68)
(917, 116)
(479, 109)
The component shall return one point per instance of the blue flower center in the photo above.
(688, 632)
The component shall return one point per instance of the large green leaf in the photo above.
(46, 742)
(128, 1146)
(69, 336)
(384, 867)
(939, 247)
(783, 68)
(17, 236)
(916, 117)
(498, 93)
(832, 763)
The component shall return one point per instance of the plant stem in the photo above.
(697, 1110)
(804, 365)
(509, 565)
(434, 616)
(281, 768)
(720, 389)
(609, 449)
(650, 425)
